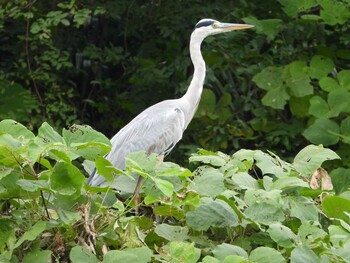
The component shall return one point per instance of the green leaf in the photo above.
(298, 80)
(339, 236)
(282, 235)
(334, 12)
(266, 255)
(172, 233)
(15, 129)
(207, 103)
(285, 182)
(129, 255)
(210, 259)
(328, 84)
(167, 210)
(68, 217)
(318, 107)
(106, 169)
(182, 252)
(215, 159)
(244, 180)
(335, 206)
(47, 134)
(322, 131)
(276, 98)
(43, 256)
(7, 232)
(79, 254)
(268, 27)
(269, 78)
(66, 179)
(210, 182)
(212, 213)
(141, 161)
(311, 157)
(320, 66)
(344, 79)
(340, 180)
(293, 8)
(165, 186)
(302, 254)
(32, 234)
(302, 208)
(33, 185)
(83, 134)
(16, 102)
(265, 213)
(338, 101)
(223, 250)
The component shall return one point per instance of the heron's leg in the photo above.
(138, 186)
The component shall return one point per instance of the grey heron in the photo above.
(160, 127)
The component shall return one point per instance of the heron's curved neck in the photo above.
(194, 92)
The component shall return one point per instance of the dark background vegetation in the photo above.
(102, 62)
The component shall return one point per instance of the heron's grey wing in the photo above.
(155, 130)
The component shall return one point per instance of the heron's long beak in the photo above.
(229, 26)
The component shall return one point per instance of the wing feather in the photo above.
(155, 130)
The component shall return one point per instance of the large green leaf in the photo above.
(318, 107)
(265, 213)
(15, 101)
(311, 157)
(322, 131)
(334, 12)
(15, 129)
(215, 213)
(328, 84)
(302, 208)
(320, 66)
(302, 254)
(177, 251)
(276, 98)
(335, 206)
(66, 179)
(282, 235)
(269, 78)
(266, 255)
(338, 101)
(223, 250)
(83, 134)
(42, 256)
(340, 180)
(172, 233)
(79, 254)
(129, 255)
(210, 182)
(32, 233)
(344, 79)
(298, 80)
(292, 8)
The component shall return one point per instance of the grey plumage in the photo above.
(160, 127)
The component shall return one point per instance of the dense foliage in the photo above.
(220, 212)
(276, 88)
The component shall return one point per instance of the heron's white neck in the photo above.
(194, 91)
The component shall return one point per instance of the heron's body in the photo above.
(160, 127)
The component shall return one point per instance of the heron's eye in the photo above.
(214, 25)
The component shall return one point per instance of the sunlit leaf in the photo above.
(212, 213)
(282, 235)
(129, 255)
(172, 233)
(264, 213)
(266, 255)
(210, 182)
(42, 256)
(223, 250)
(79, 254)
(303, 254)
(311, 157)
(32, 233)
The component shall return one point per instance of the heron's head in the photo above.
(207, 27)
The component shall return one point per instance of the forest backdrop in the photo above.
(278, 87)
